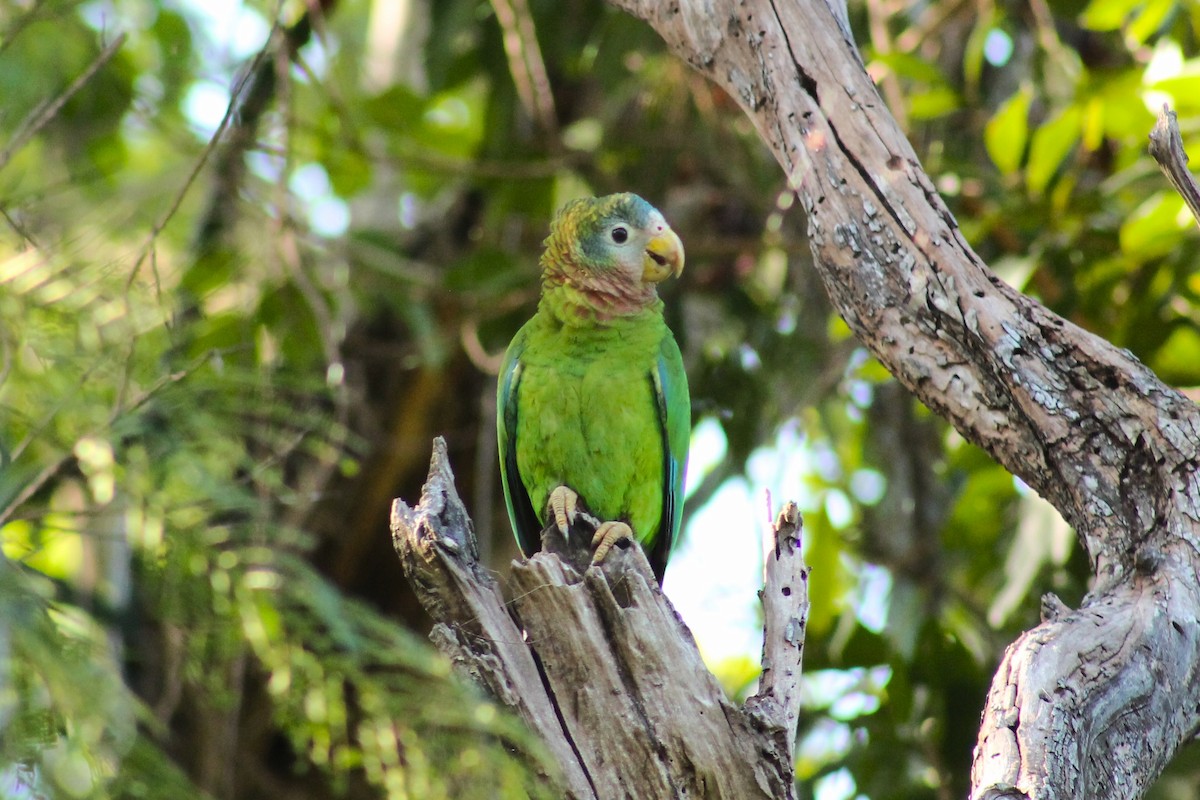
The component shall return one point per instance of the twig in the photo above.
(46, 111)
(1166, 146)
(177, 201)
(52, 469)
(785, 610)
(19, 228)
(525, 62)
(254, 96)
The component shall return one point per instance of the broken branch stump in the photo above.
(600, 665)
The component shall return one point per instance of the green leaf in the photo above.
(905, 65)
(287, 314)
(1007, 131)
(906, 615)
(1155, 228)
(828, 582)
(1093, 124)
(937, 102)
(349, 171)
(736, 674)
(1051, 144)
(452, 122)
(398, 109)
(1178, 360)
(1149, 20)
(227, 332)
(1125, 114)
(973, 53)
(1184, 89)
(488, 269)
(1106, 15)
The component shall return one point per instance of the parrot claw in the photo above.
(608, 535)
(564, 505)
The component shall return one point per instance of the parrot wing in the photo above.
(675, 419)
(520, 508)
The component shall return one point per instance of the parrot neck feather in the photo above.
(576, 295)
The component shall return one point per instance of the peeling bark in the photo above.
(601, 667)
(1092, 703)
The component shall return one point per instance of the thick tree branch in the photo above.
(1077, 694)
(1056, 405)
(600, 665)
(1087, 425)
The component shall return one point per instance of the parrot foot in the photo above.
(609, 534)
(564, 505)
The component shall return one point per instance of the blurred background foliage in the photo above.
(255, 256)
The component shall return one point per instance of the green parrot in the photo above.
(592, 400)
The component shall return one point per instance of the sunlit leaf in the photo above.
(933, 103)
(1178, 359)
(1051, 143)
(1150, 19)
(828, 581)
(1155, 227)
(1007, 131)
(973, 52)
(1184, 89)
(1107, 15)
(907, 65)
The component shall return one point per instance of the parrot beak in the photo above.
(663, 257)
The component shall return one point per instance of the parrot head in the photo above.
(604, 256)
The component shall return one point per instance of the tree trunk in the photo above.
(598, 663)
(1092, 702)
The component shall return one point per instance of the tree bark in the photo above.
(598, 663)
(1093, 702)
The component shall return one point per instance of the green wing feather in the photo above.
(521, 513)
(675, 416)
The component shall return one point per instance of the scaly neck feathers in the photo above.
(578, 295)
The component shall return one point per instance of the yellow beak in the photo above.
(663, 257)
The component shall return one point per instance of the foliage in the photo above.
(214, 378)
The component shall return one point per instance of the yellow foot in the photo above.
(607, 535)
(563, 505)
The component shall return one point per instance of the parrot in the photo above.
(592, 398)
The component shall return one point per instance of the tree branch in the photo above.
(1087, 425)
(248, 106)
(600, 665)
(436, 545)
(785, 609)
(1166, 147)
(1075, 696)
(48, 110)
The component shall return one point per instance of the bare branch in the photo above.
(1077, 694)
(525, 63)
(785, 610)
(1166, 146)
(600, 665)
(436, 545)
(47, 111)
(1037, 392)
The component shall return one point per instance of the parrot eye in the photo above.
(620, 235)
